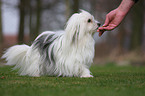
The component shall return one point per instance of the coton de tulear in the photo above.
(61, 53)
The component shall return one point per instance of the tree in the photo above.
(38, 16)
(137, 27)
(72, 6)
(75, 6)
(22, 21)
(30, 21)
(143, 43)
(35, 12)
(68, 8)
(120, 38)
(1, 33)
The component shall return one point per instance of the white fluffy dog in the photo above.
(62, 53)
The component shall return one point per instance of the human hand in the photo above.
(113, 19)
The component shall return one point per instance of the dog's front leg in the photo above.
(86, 73)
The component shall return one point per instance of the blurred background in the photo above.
(22, 20)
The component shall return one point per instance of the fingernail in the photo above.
(100, 28)
(104, 25)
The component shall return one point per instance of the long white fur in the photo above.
(62, 53)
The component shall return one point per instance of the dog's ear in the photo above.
(76, 34)
(72, 29)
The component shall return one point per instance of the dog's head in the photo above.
(81, 24)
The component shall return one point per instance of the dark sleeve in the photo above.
(135, 1)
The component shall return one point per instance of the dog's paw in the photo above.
(87, 76)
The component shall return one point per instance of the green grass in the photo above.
(108, 81)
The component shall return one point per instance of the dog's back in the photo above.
(35, 59)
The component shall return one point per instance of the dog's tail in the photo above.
(20, 56)
(16, 55)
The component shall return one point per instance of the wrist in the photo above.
(125, 6)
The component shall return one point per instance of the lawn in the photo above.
(109, 80)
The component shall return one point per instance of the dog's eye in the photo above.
(89, 20)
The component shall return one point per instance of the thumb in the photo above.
(106, 21)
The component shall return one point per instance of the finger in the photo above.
(106, 21)
(101, 28)
(108, 28)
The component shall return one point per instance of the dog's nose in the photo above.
(98, 24)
